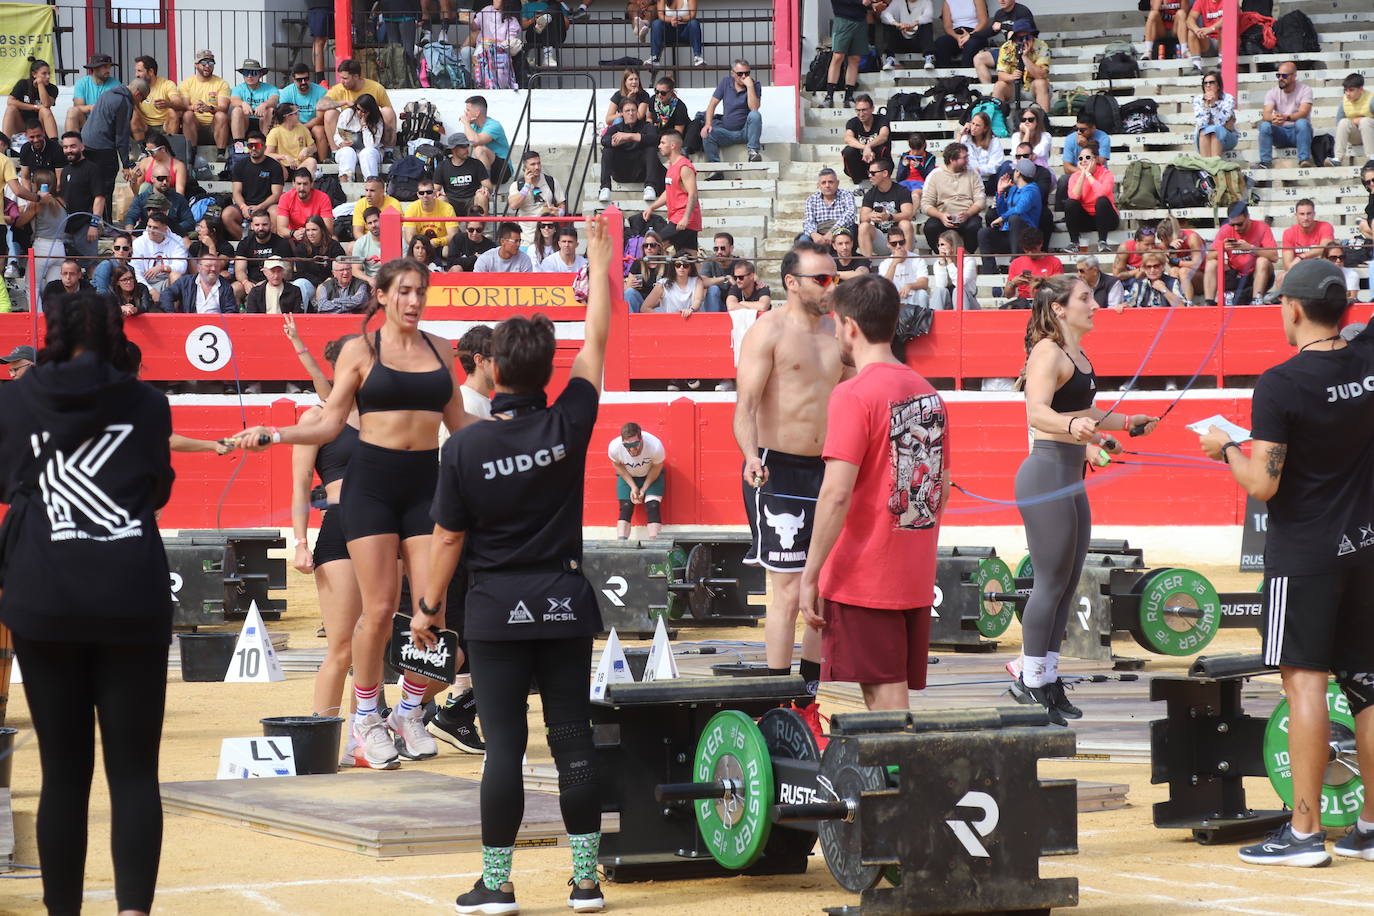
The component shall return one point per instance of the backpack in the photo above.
(1140, 187)
(998, 113)
(949, 97)
(396, 68)
(817, 73)
(904, 106)
(442, 68)
(1105, 111)
(1295, 33)
(1181, 188)
(1141, 116)
(1229, 186)
(404, 183)
(692, 142)
(1069, 101)
(419, 121)
(1323, 148)
(1118, 62)
(869, 63)
(330, 185)
(237, 152)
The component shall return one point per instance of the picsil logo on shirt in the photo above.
(517, 464)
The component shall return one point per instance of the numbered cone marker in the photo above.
(612, 669)
(254, 659)
(250, 758)
(661, 666)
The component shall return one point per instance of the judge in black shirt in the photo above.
(867, 139)
(630, 154)
(511, 492)
(1312, 461)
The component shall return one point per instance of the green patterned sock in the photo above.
(586, 847)
(496, 866)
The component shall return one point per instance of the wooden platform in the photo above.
(404, 813)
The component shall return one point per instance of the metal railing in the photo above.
(587, 138)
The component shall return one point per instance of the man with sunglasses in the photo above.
(305, 94)
(637, 458)
(462, 177)
(468, 246)
(867, 139)
(780, 426)
(715, 271)
(739, 95)
(431, 205)
(745, 291)
(163, 198)
(252, 102)
(302, 202)
(257, 186)
(1085, 136)
(1287, 119)
(1023, 59)
(906, 271)
(206, 118)
(886, 206)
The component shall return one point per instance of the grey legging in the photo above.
(1057, 532)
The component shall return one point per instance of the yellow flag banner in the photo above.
(25, 31)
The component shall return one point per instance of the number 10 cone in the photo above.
(254, 660)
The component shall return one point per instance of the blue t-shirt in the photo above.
(255, 97)
(1104, 146)
(88, 89)
(304, 101)
(734, 105)
(500, 146)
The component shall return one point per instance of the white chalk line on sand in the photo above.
(240, 887)
(262, 900)
(1205, 905)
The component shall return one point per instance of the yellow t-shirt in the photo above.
(288, 142)
(163, 89)
(441, 208)
(1360, 108)
(369, 87)
(7, 174)
(361, 206)
(196, 90)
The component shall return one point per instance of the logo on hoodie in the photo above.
(70, 492)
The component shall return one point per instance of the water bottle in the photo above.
(1230, 298)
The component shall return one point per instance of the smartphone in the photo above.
(43, 188)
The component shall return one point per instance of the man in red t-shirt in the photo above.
(869, 580)
(1308, 237)
(1032, 263)
(679, 195)
(1250, 255)
(1204, 30)
(303, 202)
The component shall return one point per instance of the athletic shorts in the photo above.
(1320, 622)
(389, 491)
(848, 37)
(782, 511)
(321, 22)
(622, 489)
(330, 544)
(874, 645)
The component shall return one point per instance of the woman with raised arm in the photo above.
(511, 493)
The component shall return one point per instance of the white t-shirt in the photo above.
(475, 403)
(677, 298)
(907, 271)
(554, 264)
(532, 206)
(638, 466)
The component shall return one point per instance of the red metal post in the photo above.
(1230, 44)
(392, 247)
(343, 30)
(169, 18)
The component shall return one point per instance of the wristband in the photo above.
(275, 434)
(1071, 419)
(302, 542)
(95, 222)
(426, 609)
(1231, 444)
(302, 352)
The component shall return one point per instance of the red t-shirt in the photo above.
(1208, 12)
(1295, 238)
(297, 211)
(1257, 234)
(1046, 265)
(677, 198)
(888, 421)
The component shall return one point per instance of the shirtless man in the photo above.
(788, 365)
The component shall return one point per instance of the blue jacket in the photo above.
(179, 218)
(181, 296)
(1022, 202)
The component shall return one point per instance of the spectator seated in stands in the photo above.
(374, 195)
(289, 142)
(1307, 238)
(1044, 180)
(914, 166)
(995, 34)
(358, 135)
(462, 176)
(312, 254)
(564, 260)
(498, 39)
(644, 271)
(159, 257)
(1129, 263)
(342, 293)
(546, 26)
(1108, 291)
(489, 143)
(421, 249)
(163, 199)
(1085, 135)
(906, 271)
(206, 117)
(257, 186)
(745, 291)
(157, 152)
(302, 202)
(944, 274)
(740, 121)
(305, 94)
(1204, 30)
(1029, 268)
(253, 101)
(202, 292)
(1154, 288)
(40, 152)
(346, 92)
(69, 280)
(954, 198)
(506, 257)
(827, 209)
(1186, 252)
(678, 291)
(1092, 201)
(545, 243)
(534, 193)
(1355, 124)
(161, 107)
(715, 271)
(275, 296)
(1166, 28)
(1214, 116)
(431, 205)
(1287, 117)
(1336, 255)
(31, 101)
(848, 265)
(966, 31)
(1366, 224)
(464, 250)
(1019, 207)
(89, 88)
(904, 27)
(367, 250)
(121, 250)
(260, 245)
(130, 295)
(1034, 131)
(1023, 62)
(886, 206)
(630, 154)
(631, 90)
(666, 110)
(985, 152)
(83, 190)
(1248, 245)
(210, 238)
(676, 22)
(867, 139)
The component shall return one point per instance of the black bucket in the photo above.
(6, 755)
(206, 656)
(314, 740)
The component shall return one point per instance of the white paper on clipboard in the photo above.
(1237, 433)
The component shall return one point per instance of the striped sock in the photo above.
(412, 697)
(367, 699)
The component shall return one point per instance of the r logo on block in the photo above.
(969, 833)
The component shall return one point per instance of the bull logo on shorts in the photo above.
(786, 525)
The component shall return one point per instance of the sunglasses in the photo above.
(1031, 120)
(159, 178)
(1211, 82)
(722, 248)
(1024, 156)
(429, 193)
(740, 277)
(635, 444)
(256, 145)
(123, 248)
(546, 226)
(127, 278)
(651, 244)
(205, 63)
(821, 280)
(474, 228)
(1085, 158)
(1338, 258)
(303, 79)
(894, 243)
(665, 92)
(875, 172)
(251, 72)
(1284, 76)
(742, 72)
(1369, 182)
(683, 265)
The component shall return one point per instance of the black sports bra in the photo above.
(332, 458)
(391, 389)
(1078, 392)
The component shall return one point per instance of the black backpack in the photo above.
(1141, 116)
(1118, 66)
(819, 70)
(1295, 33)
(949, 97)
(904, 106)
(1323, 148)
(1105, 111)
(329, 184)
(692, 142)
(1182, 188)
(404, 180)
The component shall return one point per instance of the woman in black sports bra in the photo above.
(400, 380)
(1060, 387)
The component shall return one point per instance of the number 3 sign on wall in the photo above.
(208, 348)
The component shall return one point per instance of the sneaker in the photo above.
(1282, 848)
(456, 724)
(1333, 163)
(1105, 248)
(374, 745)
(1259, 165)
(1036, 696)
(412, 741)
(11, 271)
(726, 385)
(582, 15)
(671, 386)
(1014, 668)
(550, 57)
(650, 194)
(1061, 700)
(604, 195)
(1357, 844)
(541, 22)
(585, 899)
(811, 715)
(829, 100)
(694, 384)
(698, 60)
(930, 62)
(1306, 164)
(487, 902)
(651, 61)
(889, 63)
(714, 176)
(755, 155)
(1197, 65)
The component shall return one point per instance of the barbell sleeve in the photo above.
(694, 791)
(842, 810)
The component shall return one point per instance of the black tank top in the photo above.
(332, 459)
(391, 389)
(1078, 392)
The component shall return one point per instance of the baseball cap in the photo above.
(1025, 167)
(100, 60)
(249, 65)
(1312, 278)
(274, 264)
(1024, 26)
(157, 201)
(1238, 209)
(458, 138)
(18, 353)
(205, 54)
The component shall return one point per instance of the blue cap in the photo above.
(1238, 209)
(1026, 26)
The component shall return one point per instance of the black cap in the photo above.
(20, 352)
(99, 60)
(1312, 278)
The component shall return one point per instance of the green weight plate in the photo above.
(840, 841)
(1024, 569)
(993, 575)
(1342, 788)
(1179, 612)
(677, 564)
(736, 828)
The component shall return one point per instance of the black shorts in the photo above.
(500, 172)
(330, 544)
(1320, 622)
(321, 22)
(683, 241)
(389, 491)
(782, 511)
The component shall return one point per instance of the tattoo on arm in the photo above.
(1274, 464)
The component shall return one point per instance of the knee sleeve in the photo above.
(652, 512)
(627, 510)
(571, 746)
(1358, 689)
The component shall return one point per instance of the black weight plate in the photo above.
(840, 841)
(787, 736)
(698, 569)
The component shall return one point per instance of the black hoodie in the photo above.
(89, 564)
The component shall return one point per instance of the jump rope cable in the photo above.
(243, 424)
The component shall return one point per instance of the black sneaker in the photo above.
(585, 899)
(1036, 696)
(455, 723)
(1357, 844)
(482, 900)
(1061, 700)
(1282, 848)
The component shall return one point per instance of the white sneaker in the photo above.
(650, 194)
(412, 741)
(11, 271)
(375, 747)
(698, 61)
(550, 57)
(604, 195)
(651, 61)
(930, 62)
(889, 63)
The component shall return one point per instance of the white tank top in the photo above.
(962, 13)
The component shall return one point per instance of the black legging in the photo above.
(1058, 531)
(1078, 220)
(947, 51)
(126, 686)
(502, 673)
